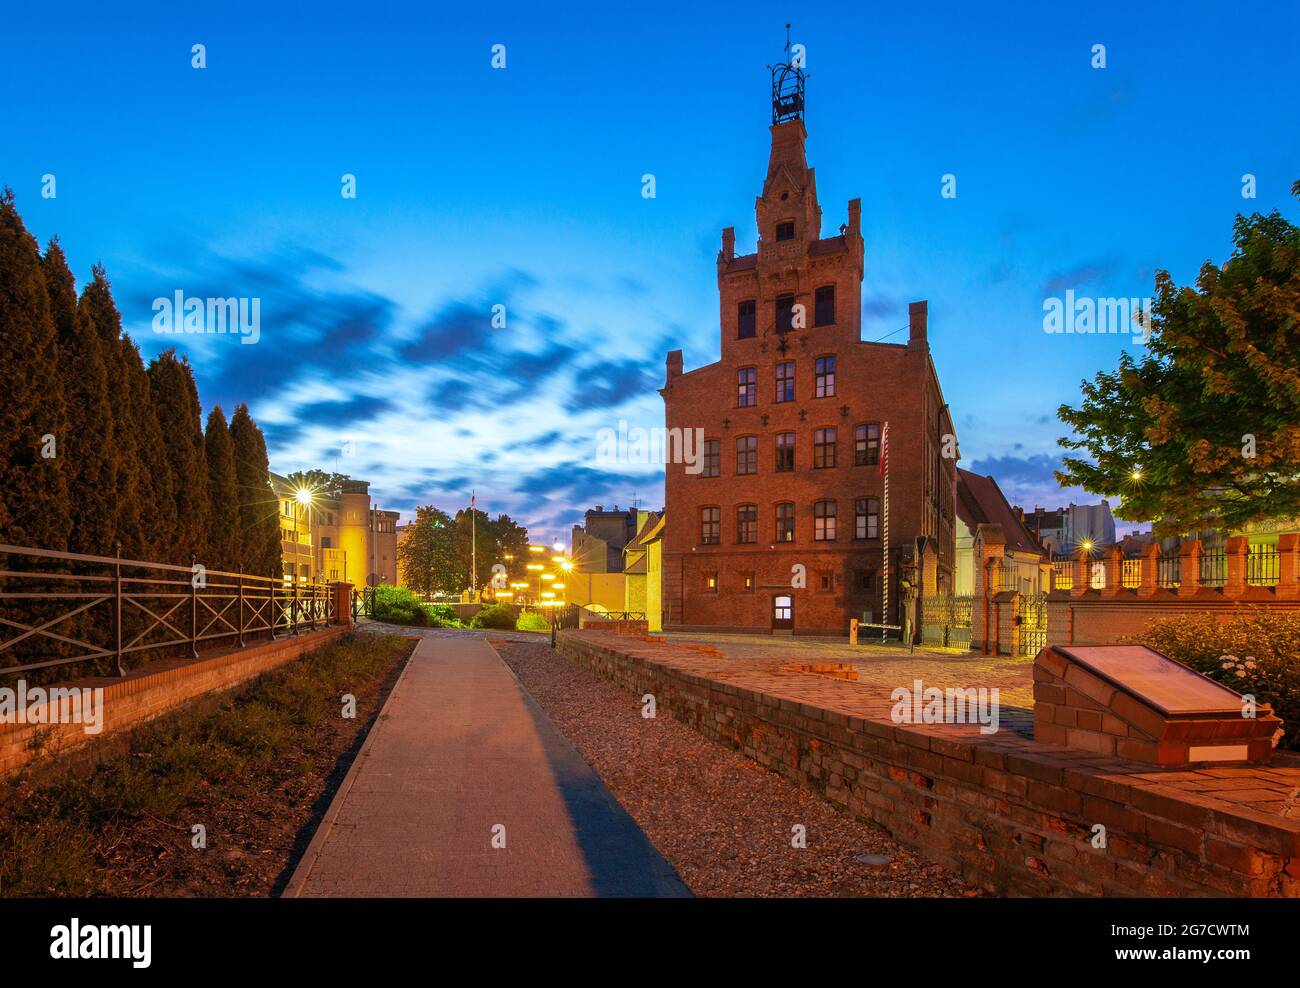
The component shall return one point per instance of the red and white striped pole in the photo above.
(884, 531)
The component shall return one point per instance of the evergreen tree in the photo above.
(223, 495)
(157, 502)
(175, 400)
(259, 508)
(100, 312)
(87, 449)
(34, 509)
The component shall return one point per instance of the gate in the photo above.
(1031, 621)
(946, 621)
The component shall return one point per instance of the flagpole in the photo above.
(884, 541)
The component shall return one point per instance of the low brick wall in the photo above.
(1012, 816)
(140, 696)
(1097, 618)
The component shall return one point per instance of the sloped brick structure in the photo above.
(1130, 701)
(146, 693)
(1014, 816)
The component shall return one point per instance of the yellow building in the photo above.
(644, 568)
(336, 539)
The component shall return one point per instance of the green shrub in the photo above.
(397, 605)
(532, 621)
(500, 617)
(1256, 652)
(443, 616)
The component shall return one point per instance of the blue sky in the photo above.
(522, 187)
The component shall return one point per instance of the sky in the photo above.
(478, 187)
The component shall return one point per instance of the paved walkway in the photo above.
(459, 749)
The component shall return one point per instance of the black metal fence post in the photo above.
(194, 609)
(117, 616)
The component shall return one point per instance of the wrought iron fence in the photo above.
(1169, 571)
(363, 603)
(1063, 572)
(1214, 569)
(1263, 566)
(72, 608)
(1031, 617)
(1130, 576)
(947, 620)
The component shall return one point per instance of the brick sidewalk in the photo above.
(458, 749)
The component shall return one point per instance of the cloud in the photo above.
(339, 413)
(610, 383)
(1083, 274)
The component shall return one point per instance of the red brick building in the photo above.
(793, 414)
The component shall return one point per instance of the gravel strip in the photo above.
(724, 822)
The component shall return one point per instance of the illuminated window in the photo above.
(785, 522)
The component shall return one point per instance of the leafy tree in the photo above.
(223, 495)
(34, 508)
(87, 446)
(427, 553)
(175, 400)
(1203, 430)
(319, 481)
(259, 509)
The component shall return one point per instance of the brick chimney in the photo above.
(674, 364)
(916, 321)
(728, 252)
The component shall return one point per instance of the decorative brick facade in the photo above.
(785, 312)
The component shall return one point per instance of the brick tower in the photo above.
(793, 414)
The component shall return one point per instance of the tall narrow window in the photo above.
(824, 377)
(784, 452)
(824, 521)
(746, 319)
(785, 312)
(824, 301)
(866, 518)
(785, 381)
(866, 445)
(747, 387)
(823, 448)
(785, 522)
(747, 523)
(747, 454)
(712, 457)
(710, 526)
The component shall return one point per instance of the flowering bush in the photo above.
(1256, 651)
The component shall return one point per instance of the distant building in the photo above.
(1062, 530)
(644, 569)
(336, 539)
(981, 502)
(598, 542)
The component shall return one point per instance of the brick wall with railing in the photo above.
(1131, 593)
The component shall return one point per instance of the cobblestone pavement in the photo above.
(465, 788)
(885, 667)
